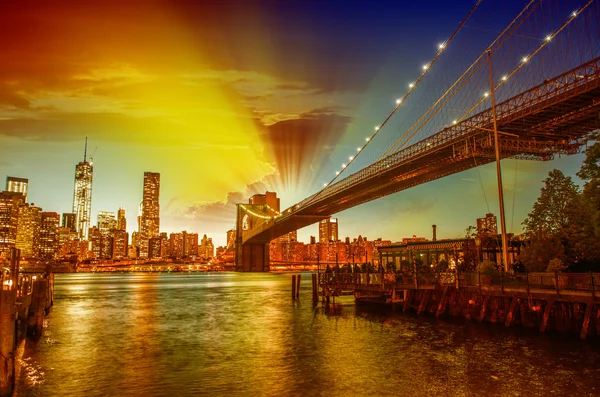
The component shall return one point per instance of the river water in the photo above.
(234, 334)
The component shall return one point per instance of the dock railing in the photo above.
(543, 282)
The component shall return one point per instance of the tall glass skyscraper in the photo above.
(150, 221)
(82, 195)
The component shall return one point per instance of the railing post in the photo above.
(456, 277)
(556, 283)
(592, 282)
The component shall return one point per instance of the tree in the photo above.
(542, 249)
(550, 212)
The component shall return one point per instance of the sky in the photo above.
(226, 99)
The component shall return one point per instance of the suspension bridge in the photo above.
(532, 91)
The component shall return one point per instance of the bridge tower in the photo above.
(254, 257)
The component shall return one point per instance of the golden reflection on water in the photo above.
(242, 335)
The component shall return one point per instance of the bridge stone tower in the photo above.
(254, 257)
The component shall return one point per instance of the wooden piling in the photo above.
(586, 319)
(294, 286)
(7, 340)
(315, 292)
(424, 300)
(484, 306)
(35, 323)
(407, 298)
(298, 286)
(546, 316)
(511, 311)
(442, 306)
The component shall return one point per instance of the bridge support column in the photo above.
(252, 257)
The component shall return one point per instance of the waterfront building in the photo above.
(413, 239)
(95, 239)
(121, 220)
(132, 251)
(190, 244)
(176, 245)
(17, 185)
(150, 220)
(101, 244)
(69, 219)
(68, 243)
(328, 230)
(82, 196)
(106, 222)
(120, 244)
(207, 248)
(48, 240)
(28, 230)
(9, 215)
(157, 248)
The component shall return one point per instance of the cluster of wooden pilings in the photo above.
(563, 302)
(24, 300)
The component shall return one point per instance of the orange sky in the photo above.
(224, 99)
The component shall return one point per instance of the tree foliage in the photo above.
(550, 213)
(562, 224)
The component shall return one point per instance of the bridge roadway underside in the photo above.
(555, 117)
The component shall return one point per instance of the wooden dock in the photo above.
(25, 298)
(565, 302)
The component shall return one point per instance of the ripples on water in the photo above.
(233, 334)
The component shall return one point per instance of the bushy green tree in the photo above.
(550, 213)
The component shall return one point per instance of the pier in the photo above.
(566, 302)
(25, 298)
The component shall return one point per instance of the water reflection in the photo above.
(241, 334)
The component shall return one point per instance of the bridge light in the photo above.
(574, 14)
(425, 67)
(504, 77)
(337, 172)
(358, 149)
(441, 46)
(368, 139)
(525, 59)
(324, 184)
(343, 165)
(411, 85)
(351, 158)
(548, 38)
(486, 94)
(398, 101)
(454, 122)
(376, 128)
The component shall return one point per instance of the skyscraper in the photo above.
(17, 185)
(28, 230)
(9, 215)
(121, 220)
(150, 222)
(328, 230)
(82, 195)
(106, 222)
(48, 246)
(69, 220)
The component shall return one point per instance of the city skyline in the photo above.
(221, 121)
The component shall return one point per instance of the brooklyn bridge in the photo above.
(531, 92)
